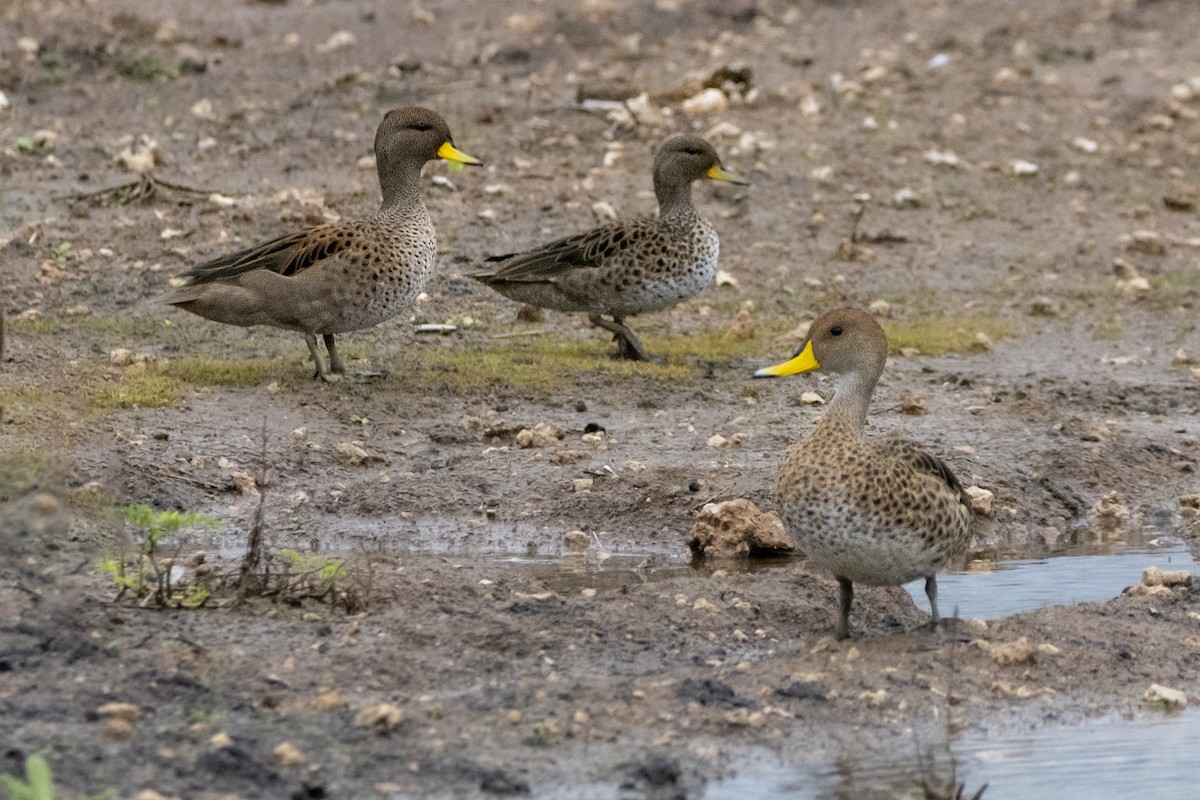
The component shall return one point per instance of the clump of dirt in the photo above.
(737, 528)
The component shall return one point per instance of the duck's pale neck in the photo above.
(401, 186)
(851, 400)
(674, 198)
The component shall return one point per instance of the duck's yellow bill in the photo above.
(804, 361)
(452, 153)
(719, 173)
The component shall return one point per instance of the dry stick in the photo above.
(136, 190)
(248, 579)
(514, 334)
(712, 497)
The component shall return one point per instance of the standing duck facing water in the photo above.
(881, 512)
(344, 276)
(628, 267)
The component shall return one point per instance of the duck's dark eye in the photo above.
(694, 151)
(836, 330)
(421, 126)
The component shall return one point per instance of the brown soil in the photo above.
(523, 663)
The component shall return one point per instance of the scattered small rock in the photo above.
(1148, 243)
(707, 101)
(802, 690)
(288, 754)
(1153, 576)
(981, 499)
(563, 457)
(203, 109)
(353, 453)
(577, 538)
(539, 435)
(245, 483)
(331, 700)
(905, 197)
(1109, 508)
(141, 156)
(737, 528)
(912, 405)
(854, 252)
(1043, 307)
(150, 794)
(1142, 590)
(381, 717)
(126, 711)
(941, 158)
(1129, 280)
(880, 308)
(490, 424)
(1009, 654)
(720, 442)
(336, 41)
(118, 730)
(1165, 696)
(604, 211)
(982, 343)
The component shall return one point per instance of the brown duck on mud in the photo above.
(880, 512)
(628, 267)
(344, 276)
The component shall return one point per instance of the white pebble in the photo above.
(941, 158)
(1165, 695)
(337, 41)
(707, 101)
(604, 211)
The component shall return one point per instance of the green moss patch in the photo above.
(215, 372)
(936, 336)
(143, 389)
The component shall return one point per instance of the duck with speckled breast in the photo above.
(629, 267)
(876, 511)
(343, 276)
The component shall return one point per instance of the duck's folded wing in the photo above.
(583, 251)
(287, 255)
(921, 461)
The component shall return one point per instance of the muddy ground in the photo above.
(1025, 171)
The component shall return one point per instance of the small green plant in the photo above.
(544, 733)
(311, 574)
(144, 66)
(23, 144)
(37, 784)
(54, 66)
(62, 254)
(149, 578)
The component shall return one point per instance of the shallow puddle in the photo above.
(1013, 587)
(986, 589)
(1153, 756)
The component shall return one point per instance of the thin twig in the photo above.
(712, 497)
(515, 334)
